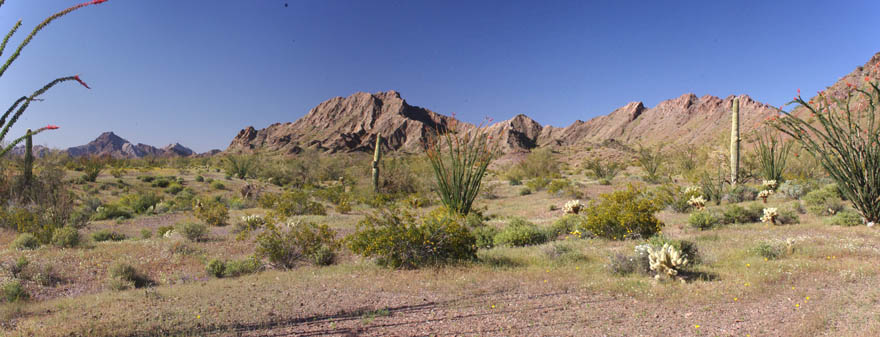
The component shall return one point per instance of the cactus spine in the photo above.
(28, 158)
(377, 155)
(734, 143)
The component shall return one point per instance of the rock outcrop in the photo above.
(345, 124)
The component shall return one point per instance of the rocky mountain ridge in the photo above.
(345, 124)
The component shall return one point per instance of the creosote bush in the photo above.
(623, 214)
(13, 291)
(25, 241)
(285, 245)
(66, 237)
(398, 238)
(603, 170)
(824, 201)
(703, 220)
(290, 203)
(519, 233)
(212, 211)
(193, 231)
(124, 276)
(845, 218)
(107, 235)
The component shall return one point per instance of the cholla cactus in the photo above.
(666, 261)
(691, 190)
(697, 202)
(765, 194)
(573, 207)
(769, 184)
(770, 215)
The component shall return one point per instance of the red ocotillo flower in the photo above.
(52, 126)
(81, 81)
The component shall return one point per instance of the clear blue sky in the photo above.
(196, 72)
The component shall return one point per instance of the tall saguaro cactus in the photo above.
(734, 143)
(28, 169)
(377, 155)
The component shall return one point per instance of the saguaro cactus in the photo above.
(377, 155)
(734, 143)
(28, 158)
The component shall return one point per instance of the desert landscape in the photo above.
(370, 215)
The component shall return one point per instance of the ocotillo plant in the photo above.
(20, 105)
(734, 143)
(28, 169)
(459, 161)
(843, 133)
(773, 155)
(377, 155)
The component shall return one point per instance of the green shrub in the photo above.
(183, 201)
(793, 189)
(603, 170)
(565, 225)
(66, 237)
(676, 197)
(525, 191)
(236, 268)
(622, 214)
(537, 184)
(400, 239)
(160, 232)
(200, 179)
(703, 220)
(25, 241)
(772, 250)
(241, 166)
(538, 163)
(162, 182)
(13, 291)
(484, 236)
(107, 235)
(286, 245)
(127, 276)
(193, 231)
(218, 185)
(112, 211)
(519, 233)
(216, 268)
(174, 188)
(786, 216)
(290, 203)
(146, 233)
(623, 264)
(211, 211)
(139, 202)
(736, 214)
(825, 201)
(742, 193)
(846, 218)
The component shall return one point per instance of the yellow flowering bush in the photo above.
(398, 238)
(623, 214)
